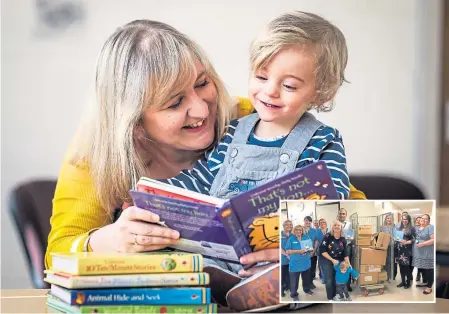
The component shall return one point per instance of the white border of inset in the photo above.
(367, 299)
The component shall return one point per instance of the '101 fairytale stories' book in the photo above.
(228, 229)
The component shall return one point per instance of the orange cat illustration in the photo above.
(265, 234)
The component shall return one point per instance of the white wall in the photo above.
(298, 210)
(388, 115)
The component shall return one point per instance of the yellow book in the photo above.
(99, 263)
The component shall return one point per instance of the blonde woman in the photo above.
(158, 106)
(299, 263)
(333, 252)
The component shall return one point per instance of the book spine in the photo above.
(162, 296)
(234, 230)
(206, 309)
(144, 264)
(150, 280)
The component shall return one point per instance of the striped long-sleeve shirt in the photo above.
(326, 145)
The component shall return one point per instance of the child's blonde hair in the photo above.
(343, 266)
(301, 28)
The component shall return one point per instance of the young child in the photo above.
(297, 65)
(342, 275)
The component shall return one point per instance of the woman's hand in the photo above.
(267, 255)
(334, 261)
(403, 242)
(136, 230)
(302, 251)
(420, 245)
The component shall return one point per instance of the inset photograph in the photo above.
(357, 251)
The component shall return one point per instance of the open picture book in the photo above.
(228, 229)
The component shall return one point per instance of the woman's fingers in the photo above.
(137, 214)
(267, 255)
(151, 230)
(142, 240)
(252, 271)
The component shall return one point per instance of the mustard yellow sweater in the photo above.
(77, 211)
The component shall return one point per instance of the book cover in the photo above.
(257, 210)
(155, 187)
(398, 235)
(201, 230)
(99, 263)
(306, 245)
(63, 307)
(133, 296)
(130, 280)
(228, 229)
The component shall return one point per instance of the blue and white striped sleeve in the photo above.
(333, 154)
(327, 145)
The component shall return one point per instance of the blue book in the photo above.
(398, 235)
(139, 296)
(306, 245)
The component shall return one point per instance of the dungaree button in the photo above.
(234, 152)
(285, 158)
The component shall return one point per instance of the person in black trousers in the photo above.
(404, 251)
(285, 274)
(332, 252)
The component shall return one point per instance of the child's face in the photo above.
(284, 88)
(343, 270)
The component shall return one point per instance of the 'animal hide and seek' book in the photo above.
(228, 229)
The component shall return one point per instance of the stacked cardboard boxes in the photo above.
(373, 251)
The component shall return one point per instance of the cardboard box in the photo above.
(365, 230)
(372, 256)
(382, 241)
(369, 278)
(364, 241)
(383, 276)
(370, 269)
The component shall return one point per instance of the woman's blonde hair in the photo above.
(342, 233)
(141, 65)
(298, 227)
(306, 29)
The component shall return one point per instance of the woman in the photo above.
(388, 227)
(417, 228)
(423, 253)
(404, 251)
(300, 263)
(321, 231)
(333, 252)
(286, 233)
(154, 87)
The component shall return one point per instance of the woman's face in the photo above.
(424, 221)
(323, 224)
(336, 227)
(186, 121)
(298, 232)
(288, 226)
(405, 221)
(388, 220)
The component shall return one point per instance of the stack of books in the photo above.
(128, 283)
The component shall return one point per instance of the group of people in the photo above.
(160, 110)
(413, 247)
(331, 251)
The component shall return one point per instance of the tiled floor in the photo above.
(391, 293)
